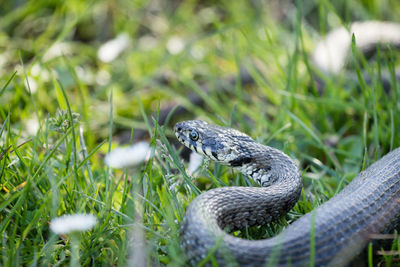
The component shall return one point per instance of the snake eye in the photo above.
(194, 135)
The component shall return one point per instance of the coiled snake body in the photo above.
(336, 231)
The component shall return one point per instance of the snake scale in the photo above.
(338, 229)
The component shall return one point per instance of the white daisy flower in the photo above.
(72, 223)
(57, 50)
(175, 45)
(113, 48)
(128, 156)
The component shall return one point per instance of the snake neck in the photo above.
(266, 166)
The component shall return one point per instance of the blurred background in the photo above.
(157, 52)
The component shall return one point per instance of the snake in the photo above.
(330, 235)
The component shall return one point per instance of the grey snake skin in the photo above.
(339, 229)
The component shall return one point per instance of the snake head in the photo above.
(193, 135)
(215, 142)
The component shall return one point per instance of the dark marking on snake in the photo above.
(239, 161)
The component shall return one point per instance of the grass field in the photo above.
(68, 96)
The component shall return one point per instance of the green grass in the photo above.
(58, 168)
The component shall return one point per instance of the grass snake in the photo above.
(338, 229)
